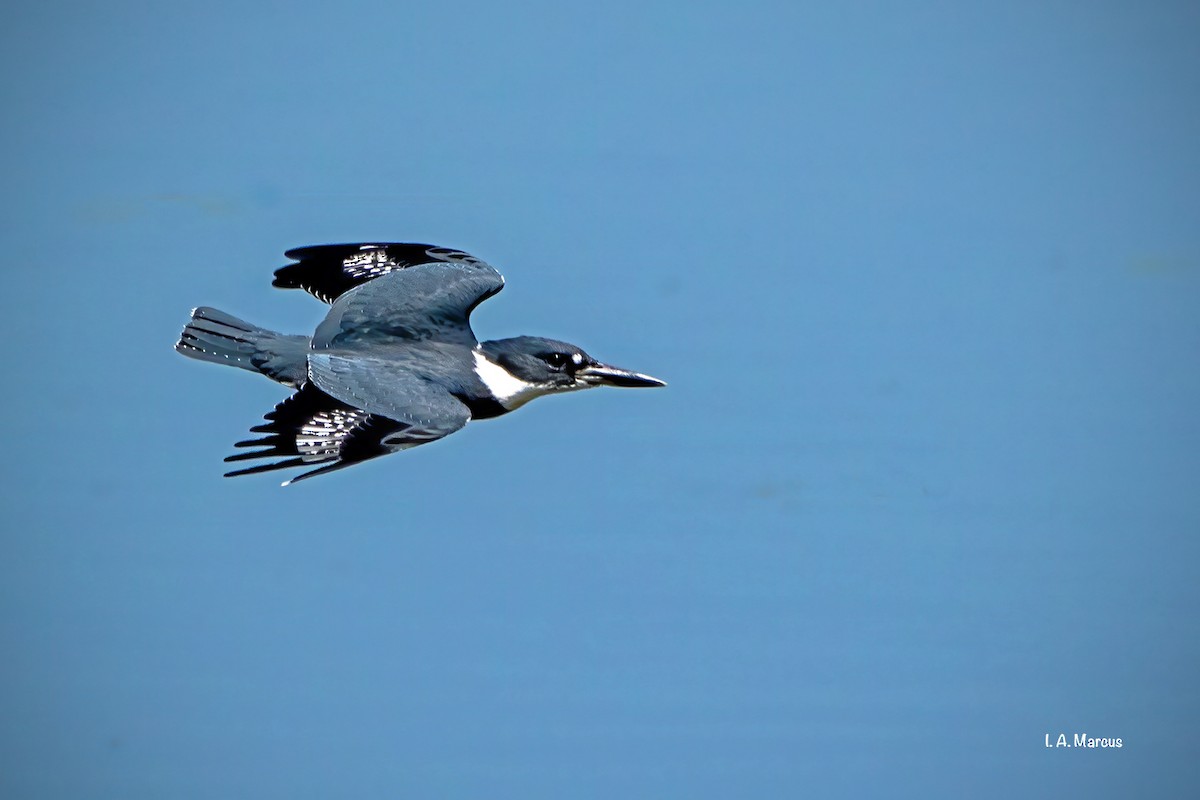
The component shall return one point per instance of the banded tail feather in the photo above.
(221, 338)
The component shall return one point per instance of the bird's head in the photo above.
(542, 366)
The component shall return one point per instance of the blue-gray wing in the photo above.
(392, 290)
(350, 411)
(388, 388)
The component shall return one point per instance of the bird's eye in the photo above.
(556, 360)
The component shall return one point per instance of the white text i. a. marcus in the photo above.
(1082, 740)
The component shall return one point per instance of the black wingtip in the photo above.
(314, 473)
(266, 441)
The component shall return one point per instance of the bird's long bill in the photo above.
(604, 375)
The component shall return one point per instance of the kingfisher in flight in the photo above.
(394, 364)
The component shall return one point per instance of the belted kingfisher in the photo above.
(394, 364)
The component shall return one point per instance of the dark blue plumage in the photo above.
(394, 363)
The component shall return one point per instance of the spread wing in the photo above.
(315, 428)
(327, 271)
(383, 290)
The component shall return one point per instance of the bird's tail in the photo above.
(212, 335)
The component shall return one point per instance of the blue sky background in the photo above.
(923, 277)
